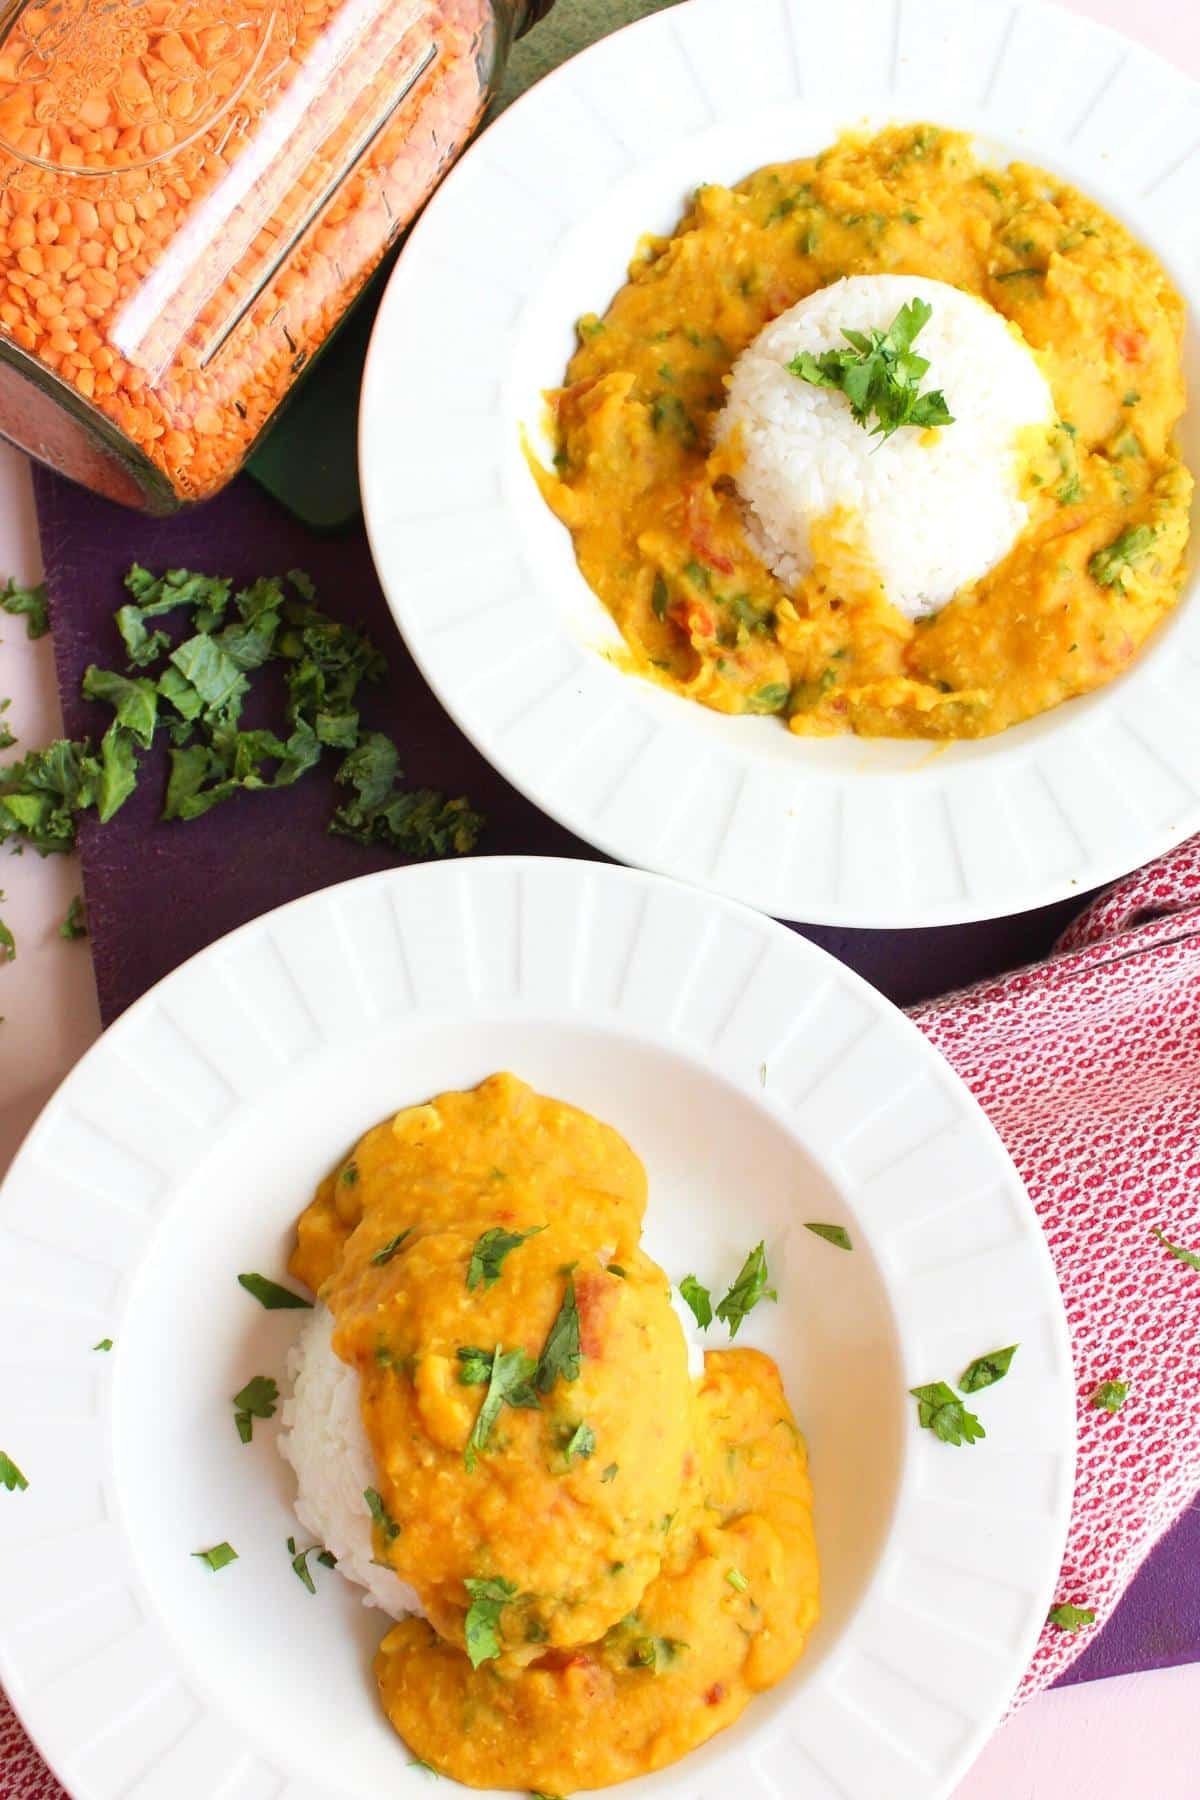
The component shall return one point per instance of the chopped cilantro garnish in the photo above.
(487, 1258)
(610, 1474)
(219, 1557)
(256, 1401)
(413, 821)
(940, 1410)
(770, 699)
(581, 1443)
(509, 1384)
(1190, 1257)
(476, 1368)
(349, 1175)
(987, 1369)
(8, 943)
(833, 1234)
(699, 1299)
(10, 1476)
(75, 924)
(29, 602)
(746, 1292)
(193, 693)
(560, 1353)
(1110, 1396)
(1110, 566)
(300, 1562)
(1131, 398)
(1070, 1618)
(880, 374)
(736, 1580)
(380, 1514)
(488, 1599)
(104, 1344)
(659, 595)
(270, 1295)
(391, 1248)
(1030, 272)
(617, 1270)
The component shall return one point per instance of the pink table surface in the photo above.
(1121, 1739)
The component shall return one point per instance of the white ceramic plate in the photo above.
(762, 1083)
(534, 227)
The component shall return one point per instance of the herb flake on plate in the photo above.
(10, 1476)
(986, 1370)
(1110, 1396)
(219, 1557)
(271, 1296)
(699, 1299)
(746, 1292)
(940, 1410)
(255, 1401)
(833, 1234)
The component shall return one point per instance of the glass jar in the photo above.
(192, 192)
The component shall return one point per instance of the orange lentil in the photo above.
(188, 344)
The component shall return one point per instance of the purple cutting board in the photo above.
(158, 893)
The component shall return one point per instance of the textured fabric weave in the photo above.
(1089, 1067)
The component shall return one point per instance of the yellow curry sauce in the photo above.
(651, 504)
(649, 1537)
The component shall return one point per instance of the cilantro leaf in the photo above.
(414, 821)
(508, 1383)
(746, 1292)
(270, 1295)
(610, 1473)
(987, 1369)
(1070, 1618)
(476, 1368)
(880, 374)
(256, 1401)
(581, 1443)
(1110, 1396)
(8, 943)
(487, 1258)
(75, 923)
(833, 1234)
(736, 1580)
(118, 772)
(300, 1566)
(29, 602)
(699, 1299)
(42, 795)
(489, 1597)
(1110, 567)
(940, 1410)
(104, 1344)
(219, 1557)
(391, 1248)
(134, 700)
(10, 1476)
(1189, 1257)
(560, 1353)
(380, 1514)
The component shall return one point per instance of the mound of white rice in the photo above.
(935, 510)
(325, 1441)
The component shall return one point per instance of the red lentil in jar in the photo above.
(192, 192)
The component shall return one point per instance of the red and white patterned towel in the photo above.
(1089, 1066)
